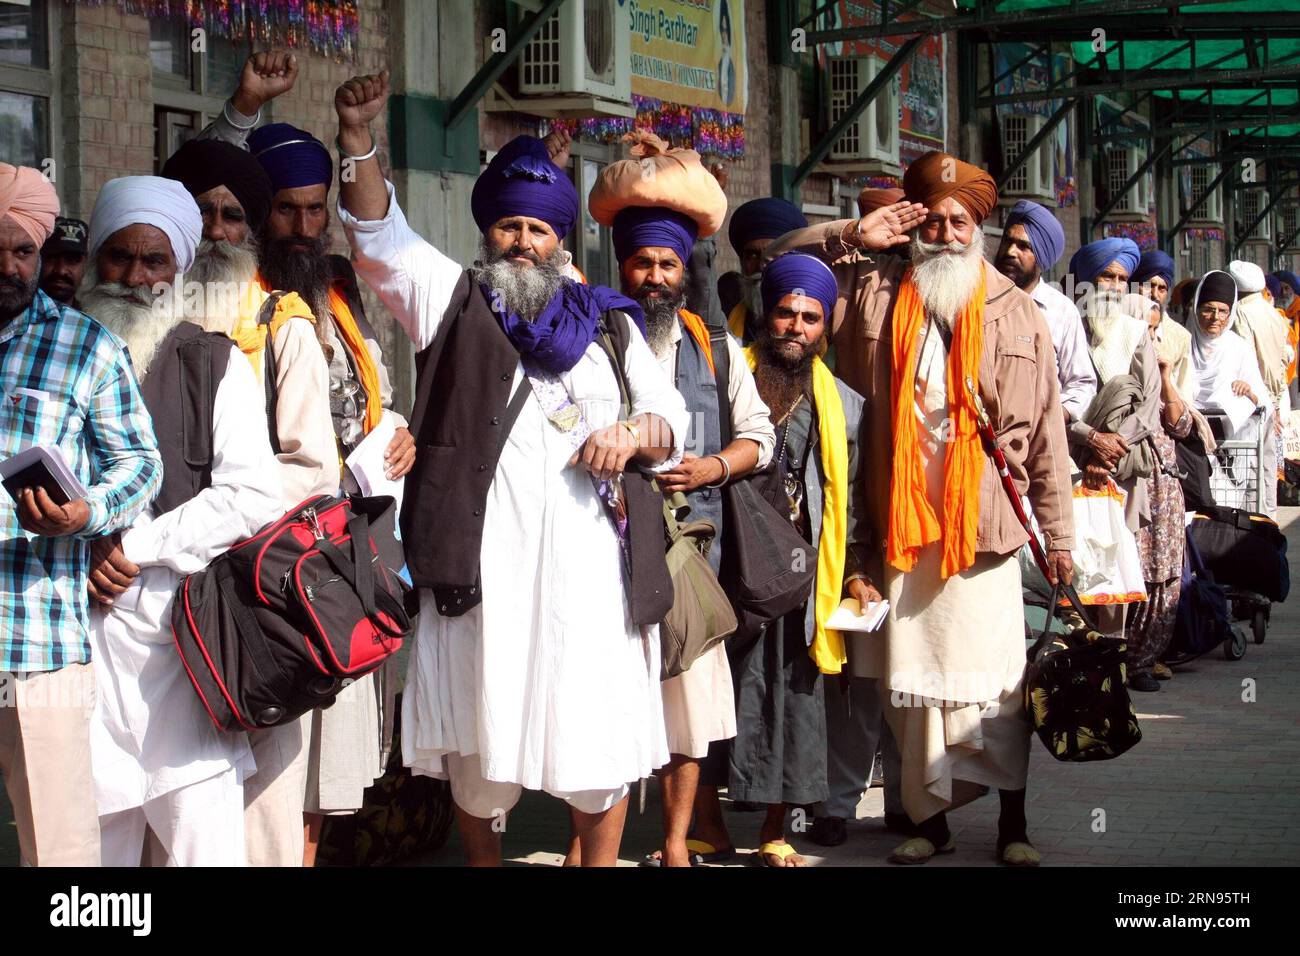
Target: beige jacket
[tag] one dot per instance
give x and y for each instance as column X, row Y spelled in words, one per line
column 1018, row 384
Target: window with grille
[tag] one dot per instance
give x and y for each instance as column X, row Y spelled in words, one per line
column 1015, row 134
column 844, row 90
column 1289, row 218
column 1119, row 167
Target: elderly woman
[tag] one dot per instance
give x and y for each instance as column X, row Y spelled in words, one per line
column 1226, row 376
column 1160, row 543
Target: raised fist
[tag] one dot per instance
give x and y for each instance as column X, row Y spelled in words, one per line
column 265, row 76
column 359, row 100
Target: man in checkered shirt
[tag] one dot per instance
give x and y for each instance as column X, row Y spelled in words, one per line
column 64, row 382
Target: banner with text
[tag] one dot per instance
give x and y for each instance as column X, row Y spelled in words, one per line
column 689, row 51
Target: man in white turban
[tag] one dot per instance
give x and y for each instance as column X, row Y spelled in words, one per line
column 159, row 762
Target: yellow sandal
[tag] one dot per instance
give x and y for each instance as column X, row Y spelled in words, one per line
column 782, row 851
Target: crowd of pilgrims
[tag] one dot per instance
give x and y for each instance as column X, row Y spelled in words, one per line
column 855, row 359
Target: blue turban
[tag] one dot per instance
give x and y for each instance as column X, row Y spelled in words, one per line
column 292, row 157
column 638, row 227
column 1274, row 286
column 1154, row 263
column 767, row 218
column 521, row 180
column 1095, row 256
column 1289, row 278
column 801, row 273
column 1045, row 233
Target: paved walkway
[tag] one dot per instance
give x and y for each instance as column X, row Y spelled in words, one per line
column 1215, row 781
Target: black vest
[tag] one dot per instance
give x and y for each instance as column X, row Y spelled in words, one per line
column 180, row 391
column 460, row 421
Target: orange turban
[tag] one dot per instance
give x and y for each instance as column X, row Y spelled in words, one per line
column 28, row 199
column 936, row 176
column 869, row 200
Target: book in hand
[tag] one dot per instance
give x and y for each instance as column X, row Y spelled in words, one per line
column 851, row 616
column 41, row 466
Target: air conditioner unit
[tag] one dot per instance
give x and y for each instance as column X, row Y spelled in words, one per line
column 585, row 48
column 1121, row 163
column 874, row 134
column 1036, row 176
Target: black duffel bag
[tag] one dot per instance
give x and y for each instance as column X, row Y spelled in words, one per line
column 284, row 620
column 1076, row 695
column 1243, row 549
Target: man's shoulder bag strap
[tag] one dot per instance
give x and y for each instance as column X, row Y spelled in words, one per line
column 270, row 368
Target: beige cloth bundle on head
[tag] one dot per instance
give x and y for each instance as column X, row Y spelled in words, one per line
column 661, row 177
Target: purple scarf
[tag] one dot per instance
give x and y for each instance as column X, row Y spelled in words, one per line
column 569, row 323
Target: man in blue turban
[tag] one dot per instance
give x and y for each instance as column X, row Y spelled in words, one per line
column 1155, row 275
column 755, row 226
column 1032, row 243
column 532, row 534
column 1104, row 266
column 779, row 756
column 654, row 247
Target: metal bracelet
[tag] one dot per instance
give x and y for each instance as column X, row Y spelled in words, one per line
column 726, row 472
column 374, row 148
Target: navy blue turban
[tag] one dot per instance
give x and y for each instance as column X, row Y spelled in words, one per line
column 292, row 157
column 1154, row 263
column 767, row 218
column 521, row 180
column 798, row 272
column 1289, row 278
column 639, row 227
column 1095, row 256
column 1045, row 233
column 1274, row 286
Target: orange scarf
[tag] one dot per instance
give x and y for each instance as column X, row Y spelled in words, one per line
column 912, row 521
column 700, row 333
column 351, row 335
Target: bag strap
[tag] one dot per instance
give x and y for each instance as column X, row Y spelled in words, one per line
column 359, row 573
column 248, row 628
column 721, row 377
column 270, row 368
column 624, row 391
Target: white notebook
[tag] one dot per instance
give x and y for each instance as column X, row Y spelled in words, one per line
column 851, row 616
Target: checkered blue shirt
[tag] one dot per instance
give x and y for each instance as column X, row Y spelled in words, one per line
column 65, row 380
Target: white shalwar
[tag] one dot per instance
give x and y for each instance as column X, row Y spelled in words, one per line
column 546, row 684
column 157, row 756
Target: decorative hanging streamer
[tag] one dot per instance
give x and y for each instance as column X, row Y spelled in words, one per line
column 1143, row 233
column 708, row 132
column 327, row 27
column 875, row 182
column 1208, row 233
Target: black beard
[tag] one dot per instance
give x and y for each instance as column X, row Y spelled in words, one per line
column 292, row 270
column 779, row 379
column 661, row 313
column 16, row 295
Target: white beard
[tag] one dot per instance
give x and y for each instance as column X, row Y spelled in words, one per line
column 946, row 275
column 225, row 271
column 120, row 310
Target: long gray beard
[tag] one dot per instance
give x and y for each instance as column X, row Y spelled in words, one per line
column 224, row 270
column 522, row 290
column 946, row 275
column 132, row 315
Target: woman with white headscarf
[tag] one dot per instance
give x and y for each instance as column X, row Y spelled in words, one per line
column 1150, row 628
column 1225, row 371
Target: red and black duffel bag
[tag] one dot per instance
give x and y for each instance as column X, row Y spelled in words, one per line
column 283, row 621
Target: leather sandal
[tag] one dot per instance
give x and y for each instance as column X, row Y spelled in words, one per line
column 919, row 850
column 1020, row 853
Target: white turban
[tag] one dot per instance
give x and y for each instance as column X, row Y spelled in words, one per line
column 148, row 201
column 1248, row 276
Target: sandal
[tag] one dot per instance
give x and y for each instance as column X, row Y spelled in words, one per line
column 1020, row 853
column 782, row 851
column 919, row 850
column 700, row 853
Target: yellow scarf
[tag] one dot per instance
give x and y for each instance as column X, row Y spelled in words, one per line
column 736, row 321
column 251, row 337
column 827, row 649
column 368, row 374
column 912, row 521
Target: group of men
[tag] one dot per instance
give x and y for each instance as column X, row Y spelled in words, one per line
column 551, row 419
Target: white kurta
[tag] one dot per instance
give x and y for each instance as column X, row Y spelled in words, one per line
column 952, row 655
column 150, row 734
column 547, row 680
column 1070, row 343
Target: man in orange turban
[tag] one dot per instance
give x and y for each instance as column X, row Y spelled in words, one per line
column 920, row 340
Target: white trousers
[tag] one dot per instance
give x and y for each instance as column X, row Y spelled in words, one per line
column 273, row 795
column 198, row 825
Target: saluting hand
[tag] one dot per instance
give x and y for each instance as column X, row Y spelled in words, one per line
column 888, row 226
column 265, row 76
column 359, row 100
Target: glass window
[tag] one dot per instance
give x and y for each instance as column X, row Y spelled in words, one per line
column 23, row 34
column 169, row 47
column 596, row 260
column 24, row 129
column 225, row 62
column 173, row 128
